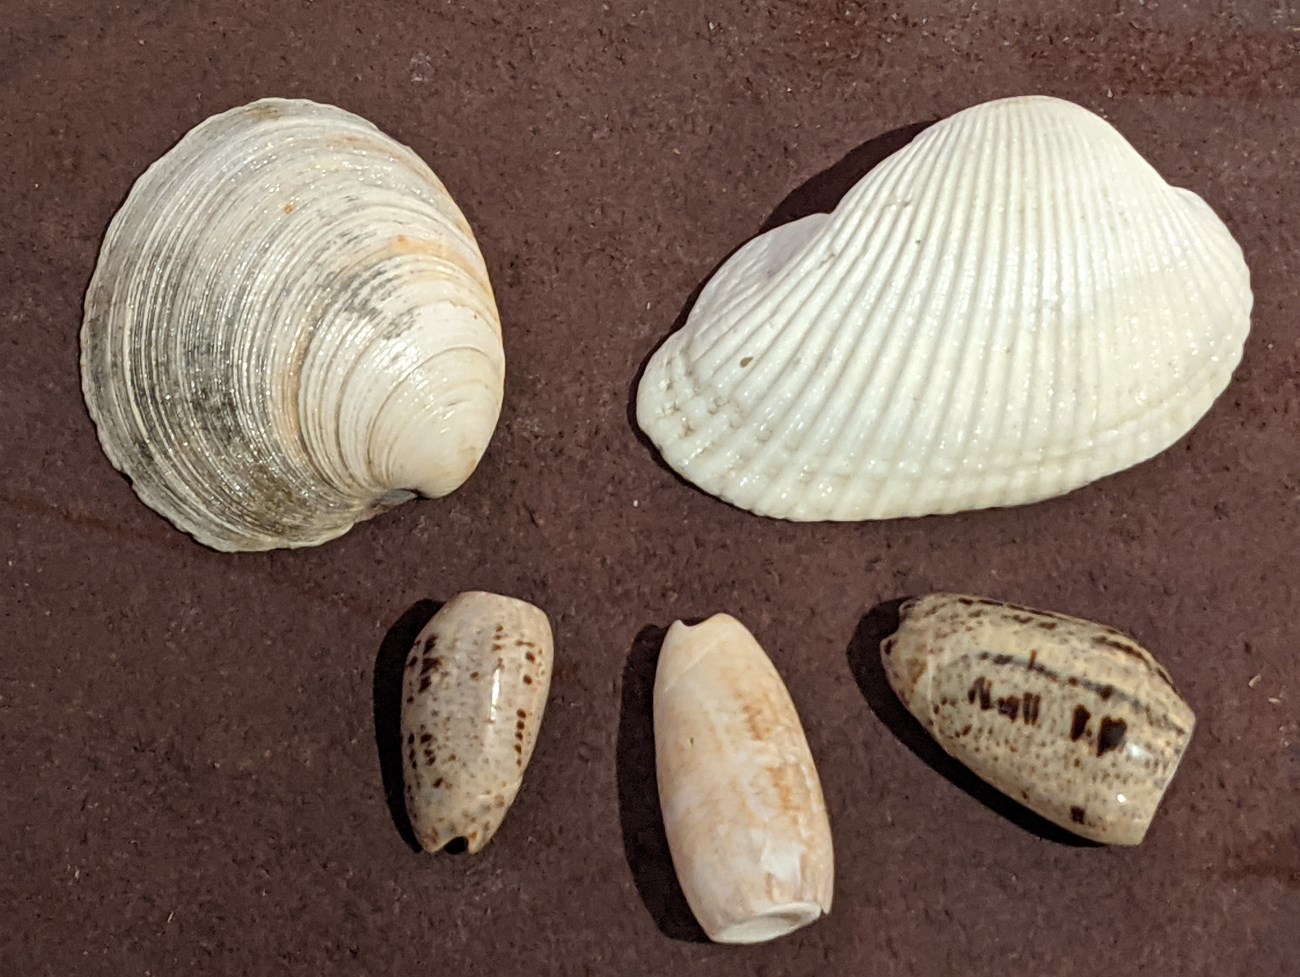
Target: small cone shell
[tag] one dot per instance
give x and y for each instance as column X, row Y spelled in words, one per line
column 1072, row 719
column 742, row 804
column 473, row 693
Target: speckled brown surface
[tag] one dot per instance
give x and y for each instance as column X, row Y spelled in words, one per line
column 188, row 740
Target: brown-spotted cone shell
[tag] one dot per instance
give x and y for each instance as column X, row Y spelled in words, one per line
column 1073, row 719
column 474, row 691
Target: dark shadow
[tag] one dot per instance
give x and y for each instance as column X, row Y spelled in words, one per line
column 644, row 843
column 819, row 194
column 389, row 663
column 864, row 661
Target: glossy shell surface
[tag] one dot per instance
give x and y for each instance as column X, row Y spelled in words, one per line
column 473, row 696
column 1073, row 719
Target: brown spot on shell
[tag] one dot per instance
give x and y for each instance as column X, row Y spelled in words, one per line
column 1032, row 704
column 760, row 728
column 528, row 680
column 746, row 360
column 425, row 683
column 1111, row 735
column 529, row 656
column 1079, row 725
column 521, row 713
column 426, row 737
column 1077, row 815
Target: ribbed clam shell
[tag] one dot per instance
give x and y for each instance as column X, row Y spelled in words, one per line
column 1011, row 306
column 290, row 328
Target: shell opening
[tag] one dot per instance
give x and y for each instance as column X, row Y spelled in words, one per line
column 775, row 923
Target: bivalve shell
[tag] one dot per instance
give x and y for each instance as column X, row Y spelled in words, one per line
column 1011, row 306
column 290, row 329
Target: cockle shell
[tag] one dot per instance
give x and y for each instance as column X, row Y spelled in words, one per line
column 741, row 800
column 1011, row 306
column 290, row 329
column 1073, row 719
column 473, row 696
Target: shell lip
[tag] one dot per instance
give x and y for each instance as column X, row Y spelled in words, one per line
column 770, row 924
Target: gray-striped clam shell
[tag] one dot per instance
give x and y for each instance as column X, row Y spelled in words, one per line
column 290, row 329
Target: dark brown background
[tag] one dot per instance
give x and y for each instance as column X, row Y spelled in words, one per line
column 190, row 775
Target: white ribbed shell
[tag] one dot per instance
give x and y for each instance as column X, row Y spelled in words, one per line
column 1012, row 306
column 290, row 329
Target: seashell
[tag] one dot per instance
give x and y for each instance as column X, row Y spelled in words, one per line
column 473, row 696
column 1013, row 305
column 1073, row 719
column 290, row 329
column 742, row 804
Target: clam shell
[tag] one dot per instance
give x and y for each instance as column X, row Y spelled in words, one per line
column 1011, row 306
column 742, row 803
column 290, row 329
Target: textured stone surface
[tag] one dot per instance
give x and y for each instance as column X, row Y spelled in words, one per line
column 189, row 739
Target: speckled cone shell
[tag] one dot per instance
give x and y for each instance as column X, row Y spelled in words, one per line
column 1073, row 719
column 741, row 800
column 290, row 329
column 1011, row 306
column 473, row 697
